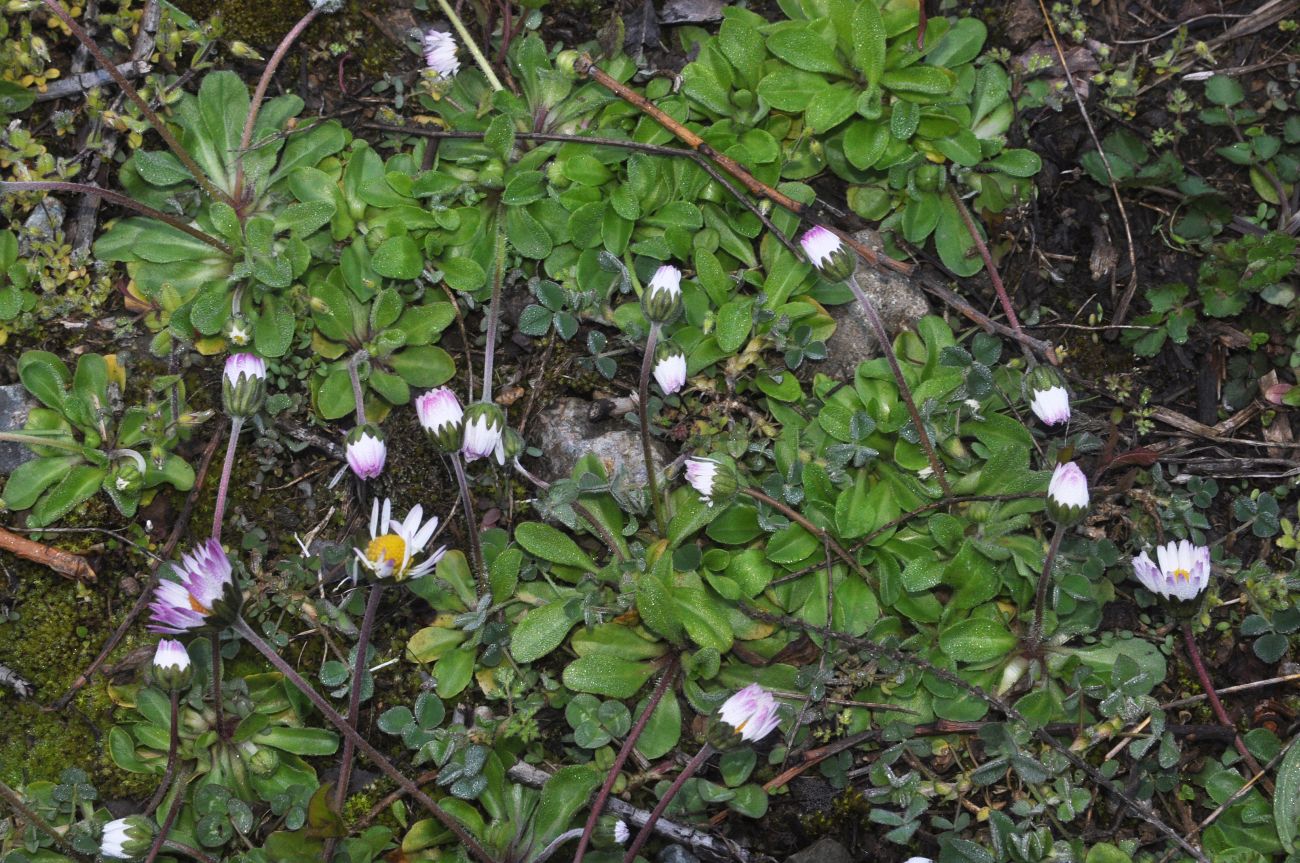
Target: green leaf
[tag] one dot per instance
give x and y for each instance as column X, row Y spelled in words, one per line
column 563, row 795
column 423, row 365
column 1224, row 90
column 77, row 486
column 223, row 108
column 801, row 47
column 734, row 322
column 961, row 44
column 526, row 234
column 546, row 542
column 29, row 479
column 14, row 99
column 299, row 741
column 869, row 41
column 953, row 241
column 703, row 620
column 500, row 136
column 920, row 80
column 543, row 629
column 161, row 168
column 606, row 675
column 45, row 376
column 1018, row 163
column 1286, row 798
column 454, row 671
column 976, row 640
column 788, row 89
column 398, row 258
column 831, row 107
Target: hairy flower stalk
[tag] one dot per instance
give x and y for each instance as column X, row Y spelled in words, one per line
column 243, row 389
column 170, row 670
column 349, row 733
column 354, row 694
column 836, row 263
column 1179, row 580
column 746, row 717
column 602, row 796
column 643, row 414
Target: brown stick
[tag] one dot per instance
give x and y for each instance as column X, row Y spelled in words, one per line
column 182, row 520
column 65, row 563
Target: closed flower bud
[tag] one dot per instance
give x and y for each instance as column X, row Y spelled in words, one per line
column 610, row 832
column 714, row 480
column 366, row 451
column 566, row 63
column 127, row 838
column 670, row 368
column 1048, row 398
column 662, row 298
column 171, row 665
column 263, row 761
column 513, row 442
column 484, row 427
column 243, row 385
column 238, row 331
column 1067, row 494
column 826, row 252
column 441, row 416
column 127, row 478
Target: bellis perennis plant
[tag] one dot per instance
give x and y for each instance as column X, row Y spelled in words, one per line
column 1182, row 574
column 484, row 426
column 442, row 417
column 127, row 838
column 663, row 296
column 670, row 369
column 826, row 252
column 752, row 713
column 366, row 452
column 395, row 543
column 204, row 597
column 1067, row 494
column 440, row 54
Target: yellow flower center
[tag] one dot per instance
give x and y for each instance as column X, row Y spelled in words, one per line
column 389, row 548
column 198, row 606
column 1182, row 575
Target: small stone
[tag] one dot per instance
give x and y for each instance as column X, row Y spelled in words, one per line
column 565, row 433
column 676, row 854
column 15, row 403
column 900, row 301
column 825, row 850
column 42, row 225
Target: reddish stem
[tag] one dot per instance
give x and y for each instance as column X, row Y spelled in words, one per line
column 687, row 772
column 670, row 674
column 1198, row 665
column 983, row 249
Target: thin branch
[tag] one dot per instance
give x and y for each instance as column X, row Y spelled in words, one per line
column 131, row 93
column 14, row 186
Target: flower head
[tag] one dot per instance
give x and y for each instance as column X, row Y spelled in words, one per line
column 127, row 838
column 171, row 664
column 1184, row 570
column 395, row 543
column 752, row 713
column 662, row 298
column 826, row 252
column 205, row 595
column 621, row 833
column 1067, row 494
column 1049, row 399
column 440, row 54
column 243, row 384
column 670, row 369
column 442, row 417
column 484, row 424
column 714, row 480
column 366, row 451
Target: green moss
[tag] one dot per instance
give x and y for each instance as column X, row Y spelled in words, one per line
column 59, row 628
column 263, row 23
